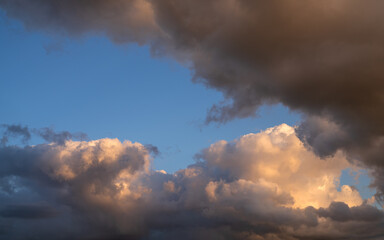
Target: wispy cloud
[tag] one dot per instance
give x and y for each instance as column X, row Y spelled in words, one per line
column 48, row 134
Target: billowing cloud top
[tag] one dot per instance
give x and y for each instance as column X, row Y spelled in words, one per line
column 261, row 186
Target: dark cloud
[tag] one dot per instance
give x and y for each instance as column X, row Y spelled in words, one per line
column 339, row 211
column 14, row 131
column 28, row 212
column 153, row 149
column 48, row 134
column 122, row 20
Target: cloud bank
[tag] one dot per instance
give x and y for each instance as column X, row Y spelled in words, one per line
column 261, row 186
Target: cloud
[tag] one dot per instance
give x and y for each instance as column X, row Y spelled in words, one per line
column 48, row 134
column 341, row 212
column 264, row 186
column 83, row 181
column 153, row 149
column 14, row 130
column 122, row 20
column 27, row 212
column 277, row 155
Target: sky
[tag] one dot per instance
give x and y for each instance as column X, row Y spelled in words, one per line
column 154, row 120
column 93, row 86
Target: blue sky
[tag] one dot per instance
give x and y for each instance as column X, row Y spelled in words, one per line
column 106, row 90
column 93, row 86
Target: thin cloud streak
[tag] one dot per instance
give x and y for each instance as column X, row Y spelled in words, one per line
column 46, row 133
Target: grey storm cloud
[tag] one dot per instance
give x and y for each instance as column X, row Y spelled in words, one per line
column 105, row 189
column 340, row 211
column 27, row 212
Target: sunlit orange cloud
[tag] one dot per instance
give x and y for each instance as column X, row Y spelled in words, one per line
column 267, row 183
column 279, row 157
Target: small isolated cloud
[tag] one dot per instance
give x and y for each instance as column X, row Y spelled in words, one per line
column 261, row 186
